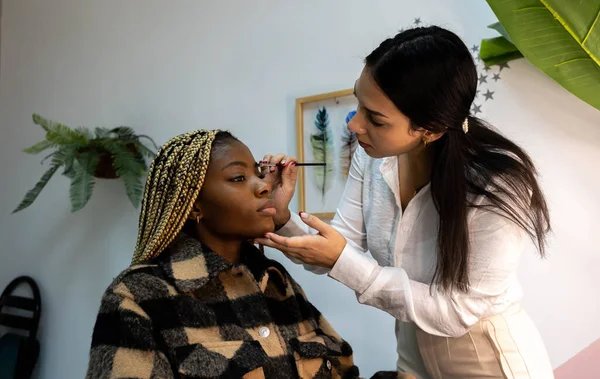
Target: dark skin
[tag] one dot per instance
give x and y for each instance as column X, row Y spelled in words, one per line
column 234, row 203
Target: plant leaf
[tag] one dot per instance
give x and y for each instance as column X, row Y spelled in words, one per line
column 498, row 50
column 500, row 29
column 102, row 133
column 86, row 133
column 133, row 187
column 322, row 145
column 63, row 135
column 82, row 180
column 33, row 193
column 145, row 151
column 39, row 147
column 559, row 38
column 124, row 132
column 131, row 170
column 66, row 156
column 44, row 123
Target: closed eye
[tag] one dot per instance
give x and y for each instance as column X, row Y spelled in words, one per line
column 372, row 121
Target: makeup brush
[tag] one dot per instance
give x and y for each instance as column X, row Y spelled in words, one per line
column 297, row 164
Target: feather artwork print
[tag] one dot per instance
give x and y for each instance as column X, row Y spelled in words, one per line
column 322, row 148
column 349, row 144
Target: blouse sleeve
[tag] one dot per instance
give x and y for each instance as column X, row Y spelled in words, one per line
column 348, row 219
column 496, row 245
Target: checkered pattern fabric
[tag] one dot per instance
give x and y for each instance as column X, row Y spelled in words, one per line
column 189, row 313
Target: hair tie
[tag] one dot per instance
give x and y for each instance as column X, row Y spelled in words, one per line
column 465, row 125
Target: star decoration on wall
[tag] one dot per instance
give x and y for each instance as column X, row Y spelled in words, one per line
column 489, row 95
column 487, row 79
column 503, row 65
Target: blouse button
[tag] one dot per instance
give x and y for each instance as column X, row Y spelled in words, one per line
column 264, row 332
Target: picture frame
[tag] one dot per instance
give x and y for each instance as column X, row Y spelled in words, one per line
column 319, row 189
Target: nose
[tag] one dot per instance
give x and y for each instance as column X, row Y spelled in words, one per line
column 356, row 123
column 263, row 188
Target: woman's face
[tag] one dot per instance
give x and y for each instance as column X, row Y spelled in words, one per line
column 382, row 130
column 234, row 201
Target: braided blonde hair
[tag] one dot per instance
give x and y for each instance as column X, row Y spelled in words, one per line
column 174, row 181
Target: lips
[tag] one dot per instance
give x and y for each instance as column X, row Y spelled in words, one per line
column 268, row 208
column 363, row 145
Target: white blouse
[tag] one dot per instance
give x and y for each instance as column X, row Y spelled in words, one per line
column 397, row 277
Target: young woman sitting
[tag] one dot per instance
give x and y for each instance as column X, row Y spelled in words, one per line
column 199, row 300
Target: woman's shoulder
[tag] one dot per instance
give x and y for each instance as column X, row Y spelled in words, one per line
column 138, row 281
column 494, row 211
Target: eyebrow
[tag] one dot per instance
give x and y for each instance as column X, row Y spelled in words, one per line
column 235, row 163
column 375, row 113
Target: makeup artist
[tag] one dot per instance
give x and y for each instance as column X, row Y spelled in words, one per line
column 443, row 203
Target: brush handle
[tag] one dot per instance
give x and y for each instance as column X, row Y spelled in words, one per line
column 297, row 164
column 310, row 164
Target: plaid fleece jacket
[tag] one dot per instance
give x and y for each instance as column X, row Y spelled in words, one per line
column 191, row 314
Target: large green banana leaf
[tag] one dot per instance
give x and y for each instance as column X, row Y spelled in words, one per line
column 559, row 37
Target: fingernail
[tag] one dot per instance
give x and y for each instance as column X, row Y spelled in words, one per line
column 283, row 162
column 304, row 215
column 267, row 236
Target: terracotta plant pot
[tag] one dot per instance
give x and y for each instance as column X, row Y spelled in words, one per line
column 105, row 168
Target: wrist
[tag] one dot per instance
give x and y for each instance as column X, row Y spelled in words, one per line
column 281, row 220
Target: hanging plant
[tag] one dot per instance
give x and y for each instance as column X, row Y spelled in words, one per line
column 85, row 155
column 560, row 38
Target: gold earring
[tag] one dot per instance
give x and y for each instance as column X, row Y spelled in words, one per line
column 425, row 142
column 197, row 219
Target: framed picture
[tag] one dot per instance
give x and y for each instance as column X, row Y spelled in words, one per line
column 322, row 136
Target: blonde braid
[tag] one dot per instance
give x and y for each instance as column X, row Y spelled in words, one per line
column 155, row 180
column 174, row 181
column 186, row 201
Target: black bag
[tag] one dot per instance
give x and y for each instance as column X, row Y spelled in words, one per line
column 19, row 353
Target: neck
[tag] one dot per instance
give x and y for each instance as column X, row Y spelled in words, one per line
column 228, row 249
column 416, row 166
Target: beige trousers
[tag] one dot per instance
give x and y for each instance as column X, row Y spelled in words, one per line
column 506, row 346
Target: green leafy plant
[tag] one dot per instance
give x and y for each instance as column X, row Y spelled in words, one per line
column 559, row 37
column 85, row 155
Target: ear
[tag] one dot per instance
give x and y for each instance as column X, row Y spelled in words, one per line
column 196, row 213
column 431, row 136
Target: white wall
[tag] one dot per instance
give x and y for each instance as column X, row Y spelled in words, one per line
column 168, row 67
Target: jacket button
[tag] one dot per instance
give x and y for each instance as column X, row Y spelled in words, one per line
column 328, row 364
column 264, row 332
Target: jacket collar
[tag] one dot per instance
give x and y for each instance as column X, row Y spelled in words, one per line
column 189, row 264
